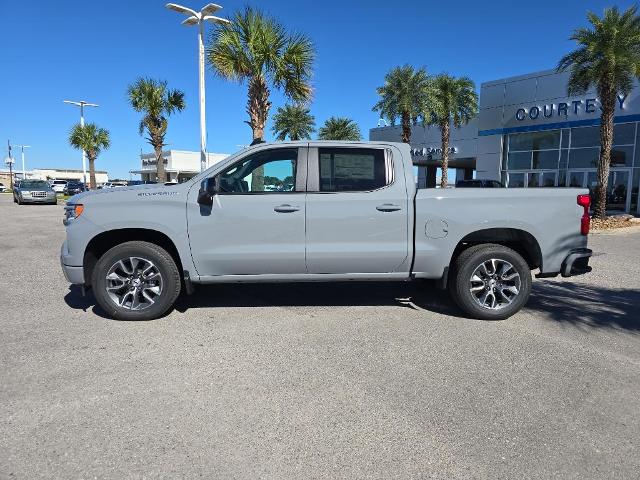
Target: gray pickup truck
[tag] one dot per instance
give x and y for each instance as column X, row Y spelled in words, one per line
column 322, row 212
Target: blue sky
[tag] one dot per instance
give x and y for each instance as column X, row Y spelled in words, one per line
column 87, row 50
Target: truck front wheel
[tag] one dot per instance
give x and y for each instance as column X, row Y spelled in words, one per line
column 490, row 282
column 136, row 281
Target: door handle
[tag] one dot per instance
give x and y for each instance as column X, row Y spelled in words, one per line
column 388, row 207
column 286, row 208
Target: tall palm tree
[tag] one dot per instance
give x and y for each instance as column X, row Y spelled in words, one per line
column 403, row 95
column 157, row 102
column 256, row 49
column 293, row 121
column 339, row 128
column 92, row 140
column 452, row 101
column 607, row 57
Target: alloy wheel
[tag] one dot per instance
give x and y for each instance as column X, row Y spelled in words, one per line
column 134, row 283
column 494, row 284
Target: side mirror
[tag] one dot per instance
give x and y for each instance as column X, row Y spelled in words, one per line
column 208, row 188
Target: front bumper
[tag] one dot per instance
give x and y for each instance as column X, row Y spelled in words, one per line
column 39, row 199
column 73, row 274
column 576, row 263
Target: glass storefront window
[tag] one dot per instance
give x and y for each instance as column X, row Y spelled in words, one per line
column 564, row 159
column 519, row 161
column 624, row 133
column 545, row 159
column 622, row 156
column 562, row 178
column 585, row 137
column 533, row 179
column 516, row 180
column 534, row 141
column 548, row 179
column 565, row 138
column 584, row 157
column 634, row 189
column 576, row 180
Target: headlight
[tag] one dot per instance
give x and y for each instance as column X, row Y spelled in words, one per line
column 72, row 211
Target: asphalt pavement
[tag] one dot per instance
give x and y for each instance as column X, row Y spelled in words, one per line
column 357, row 380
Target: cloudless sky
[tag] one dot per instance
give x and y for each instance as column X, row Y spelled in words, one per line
column 91, row 50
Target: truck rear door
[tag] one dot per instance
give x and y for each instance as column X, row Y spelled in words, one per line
column 357, row 210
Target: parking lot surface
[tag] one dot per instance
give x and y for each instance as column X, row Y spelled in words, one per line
column 358, row 380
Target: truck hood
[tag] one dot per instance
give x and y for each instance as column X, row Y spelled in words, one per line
column 130, row 193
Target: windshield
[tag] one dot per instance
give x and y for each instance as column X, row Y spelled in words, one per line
column 34, row 184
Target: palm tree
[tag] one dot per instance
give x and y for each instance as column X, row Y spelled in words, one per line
column 339, row 128
column 452, row 101
column 293, row 121
column 157, row 102
column 256, row 49
column 607, row 57
column 92, row 140
column 403, row 95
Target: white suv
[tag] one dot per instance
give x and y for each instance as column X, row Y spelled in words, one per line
column 58, row 185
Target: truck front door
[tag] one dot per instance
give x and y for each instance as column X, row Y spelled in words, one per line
column 357, row 211
column 257, row 222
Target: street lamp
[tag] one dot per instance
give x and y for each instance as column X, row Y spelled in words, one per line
column 22, row 147
column 9, row 161
column 82, row 104
column 198, row 18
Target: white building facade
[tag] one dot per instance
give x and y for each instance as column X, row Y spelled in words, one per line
column 180, row 165
column 55, row 174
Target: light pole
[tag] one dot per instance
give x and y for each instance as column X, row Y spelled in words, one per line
column 22, row 147
column 9, row 161
column 198, row 18
column 82, row 104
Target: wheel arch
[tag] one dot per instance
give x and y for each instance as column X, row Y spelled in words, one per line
column 517, row 239
column 104, row 241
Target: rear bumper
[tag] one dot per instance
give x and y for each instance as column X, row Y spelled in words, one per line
column 576, row 263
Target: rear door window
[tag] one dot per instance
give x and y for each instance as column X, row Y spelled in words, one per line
column 353, row 169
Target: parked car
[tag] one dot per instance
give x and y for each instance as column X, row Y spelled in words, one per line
column 58, row 185
column 73, row 188
column 478, row 184
column 3, row 188
column 34, row 191
column 354, row 214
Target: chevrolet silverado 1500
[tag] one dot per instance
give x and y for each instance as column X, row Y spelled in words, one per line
column 320, row 211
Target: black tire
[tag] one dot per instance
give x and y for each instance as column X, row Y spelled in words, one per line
column 464, row 268
column 166, row 266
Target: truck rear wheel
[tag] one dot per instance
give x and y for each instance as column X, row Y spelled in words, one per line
column 490, row 282
column 136, row 281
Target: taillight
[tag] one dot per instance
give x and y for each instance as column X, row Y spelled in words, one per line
column 585, row 222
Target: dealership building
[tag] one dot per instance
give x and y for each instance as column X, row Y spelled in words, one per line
column 530, row 134
column 179, row 165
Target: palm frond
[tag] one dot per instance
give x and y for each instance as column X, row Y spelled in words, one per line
column 340, row 128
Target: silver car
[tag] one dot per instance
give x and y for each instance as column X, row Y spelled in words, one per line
column 34, row 191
